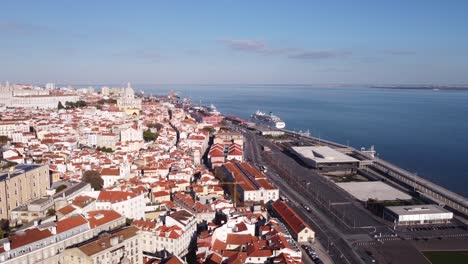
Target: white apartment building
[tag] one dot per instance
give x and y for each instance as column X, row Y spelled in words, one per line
column 188, row 223
column 156, row 237
column 127, row 204
column 132, row 133
column 8, row 127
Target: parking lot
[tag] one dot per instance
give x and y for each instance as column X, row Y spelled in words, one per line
column 315, row 253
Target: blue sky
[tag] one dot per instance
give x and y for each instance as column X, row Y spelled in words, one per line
column 300, row 42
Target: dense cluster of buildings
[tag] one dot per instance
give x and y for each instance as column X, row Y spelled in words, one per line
column 157, row 191
column 34, row 97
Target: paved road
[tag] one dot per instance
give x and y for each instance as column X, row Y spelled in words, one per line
column 327, row 234
column 342, row 225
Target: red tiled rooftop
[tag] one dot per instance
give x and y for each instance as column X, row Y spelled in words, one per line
column 70, row 223
column 82, row 200
column 101, row 217
column 67, row 209
column 144, row 224
column 110, row 172
column 289, row 216
column 115, row 196
column 103, row 243
column 238, row 239
column 27, row 237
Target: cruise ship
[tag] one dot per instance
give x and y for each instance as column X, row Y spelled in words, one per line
column 268, row 119
column 212, row 110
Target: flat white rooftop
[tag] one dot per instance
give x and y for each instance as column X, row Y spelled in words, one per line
column 417, row 209
column 324, row 154
column 376, row 190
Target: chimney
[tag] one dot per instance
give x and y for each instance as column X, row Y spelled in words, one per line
column 53, row 230
column 114, row 240
column 6, row 245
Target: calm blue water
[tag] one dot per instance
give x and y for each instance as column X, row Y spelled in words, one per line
column 423, row 131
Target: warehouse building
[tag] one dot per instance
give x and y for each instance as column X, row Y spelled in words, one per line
column 417, row 214
column 325, row 159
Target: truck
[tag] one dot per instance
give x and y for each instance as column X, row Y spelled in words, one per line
column 266, row 149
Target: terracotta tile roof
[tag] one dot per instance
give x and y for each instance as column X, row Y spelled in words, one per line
column 173, row 232
column 240, row 177
column 241, row 227
column 235, row 152
column 101, row 217
column 196, row 137
column 110, row 172
column 237, row 258
column 214, row 258
column 218, row 246
column 169, row 204
column 102, row 244
column 174, row 260
column 144, row 224
column 82, row 201
column 67, row 209
column 115, row 196
column 216, row 153
column 181, row 215
column 239, row 239
column 70, row 223
column 161, row 194
column 289, row 216
column 29, row 236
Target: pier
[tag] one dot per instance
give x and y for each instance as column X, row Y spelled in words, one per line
column 437, row 193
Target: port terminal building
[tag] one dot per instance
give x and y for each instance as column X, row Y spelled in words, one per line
column 325, row 159
column 417, row 214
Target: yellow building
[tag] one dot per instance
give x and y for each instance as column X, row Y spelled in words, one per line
column 21, row 184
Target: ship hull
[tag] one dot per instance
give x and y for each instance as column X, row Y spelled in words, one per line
column 268, row 122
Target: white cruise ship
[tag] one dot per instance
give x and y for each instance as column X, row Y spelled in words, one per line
column 268, row 119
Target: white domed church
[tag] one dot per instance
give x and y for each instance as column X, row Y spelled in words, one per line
column 127, row 100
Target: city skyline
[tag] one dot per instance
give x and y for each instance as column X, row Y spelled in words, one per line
column 227, row 42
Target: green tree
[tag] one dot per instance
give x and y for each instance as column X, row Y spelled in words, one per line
column 128, row 221
column 3, row 139
column 69, row 105
column 4, row 228
column 210, row 130
column 60, row 105
column 107, row 101
column 94, row 178
column 104, row 149
column 158, row 126
column 60, row 188
column 149, row 136
column 80, row 103
column 51, row 212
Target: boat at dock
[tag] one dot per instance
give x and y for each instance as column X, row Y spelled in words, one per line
column 268, row 119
